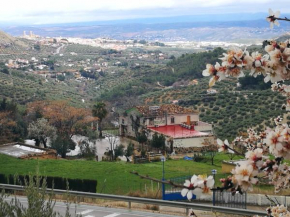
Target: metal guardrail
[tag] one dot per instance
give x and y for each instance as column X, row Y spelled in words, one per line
column 130, row 200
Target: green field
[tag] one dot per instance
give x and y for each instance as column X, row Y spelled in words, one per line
column 112, row 177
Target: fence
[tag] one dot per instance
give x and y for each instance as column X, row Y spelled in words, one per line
column 130, row 200
column 226, row 199
column 171, row 193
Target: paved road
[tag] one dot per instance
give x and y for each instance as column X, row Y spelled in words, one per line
column 97, row 211
column 59, row 48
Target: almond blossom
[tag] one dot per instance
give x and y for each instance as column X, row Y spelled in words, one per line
column 255, row 157
column 274, row 72
column 278, row 211
column 190, row 186
column 272, row 45
column 198, row 185
column 235, row 60
column 217, row 72
column 272, row 18
column 259, row 64
column 274, row 141
column 223, row 146
column 244, row 176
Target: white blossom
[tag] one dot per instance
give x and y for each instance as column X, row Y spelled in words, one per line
column 272, row 18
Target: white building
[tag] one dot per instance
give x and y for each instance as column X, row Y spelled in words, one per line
column 180, row 126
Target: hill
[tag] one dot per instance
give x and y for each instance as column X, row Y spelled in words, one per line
column 230, row 109
column 284, row 37
column 8, row 41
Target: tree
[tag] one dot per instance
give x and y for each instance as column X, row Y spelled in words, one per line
column 113, row 140
column 212, row 149
column 7, row 124
column 100, row 111
column 142, row 138
column 129, row 151
column 60, row 77
column 41, row 130
column 87, row 150
column 119, row 151
column 5, row 71
column 212, row 153
column 67, row 119
column 158, row 141
column 37, row 47
column 63, row 144
column 142, row 41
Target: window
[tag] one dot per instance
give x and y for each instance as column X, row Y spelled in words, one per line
column 172, row 120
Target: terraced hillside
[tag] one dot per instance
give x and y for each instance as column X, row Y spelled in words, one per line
column 24, row 88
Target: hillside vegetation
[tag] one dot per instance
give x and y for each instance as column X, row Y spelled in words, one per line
column 231, row 109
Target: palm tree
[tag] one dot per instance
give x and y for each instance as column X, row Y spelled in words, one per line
column 101, row 112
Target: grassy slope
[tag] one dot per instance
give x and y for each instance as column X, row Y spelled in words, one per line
column 117, row 174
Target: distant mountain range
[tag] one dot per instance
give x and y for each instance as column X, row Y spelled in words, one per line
column 199, row 27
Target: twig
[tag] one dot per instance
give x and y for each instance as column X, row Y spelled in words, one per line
column 271, row 200
column 277, row 201
column 284, row 19
column 160, row 181
column 229, row 186
column 236, row 152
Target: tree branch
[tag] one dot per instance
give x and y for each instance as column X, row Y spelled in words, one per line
column 236, row 152
column 158, row 180
column 271, row 200
column 284, row 19
column 228, row 186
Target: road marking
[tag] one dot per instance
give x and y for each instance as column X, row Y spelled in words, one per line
column 113, row 215
column 85, row 212
column 89, row 216
column 100, row 209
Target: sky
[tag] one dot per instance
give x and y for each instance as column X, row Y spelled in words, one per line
column 68, row 11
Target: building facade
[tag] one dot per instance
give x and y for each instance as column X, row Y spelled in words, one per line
column 181, row 126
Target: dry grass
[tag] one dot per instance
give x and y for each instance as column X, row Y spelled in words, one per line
column 148, row 194
column 152, row 207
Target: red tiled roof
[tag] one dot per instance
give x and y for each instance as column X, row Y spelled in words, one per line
column 176, row 131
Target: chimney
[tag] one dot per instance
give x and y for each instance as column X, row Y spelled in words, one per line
column 188, row 120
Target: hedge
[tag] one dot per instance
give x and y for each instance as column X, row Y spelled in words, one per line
column 55, row 182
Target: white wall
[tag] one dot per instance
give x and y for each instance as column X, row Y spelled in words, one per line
column 178, row 119
column 203, row 128
column 190, row 142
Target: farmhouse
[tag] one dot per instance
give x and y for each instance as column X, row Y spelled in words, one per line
column 181, row 126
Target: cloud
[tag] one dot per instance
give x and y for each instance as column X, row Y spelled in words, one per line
column 39, row 11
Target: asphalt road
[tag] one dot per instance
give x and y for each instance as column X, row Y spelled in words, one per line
column 97, row 211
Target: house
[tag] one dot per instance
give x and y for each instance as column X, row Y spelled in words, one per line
column 181, row 126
